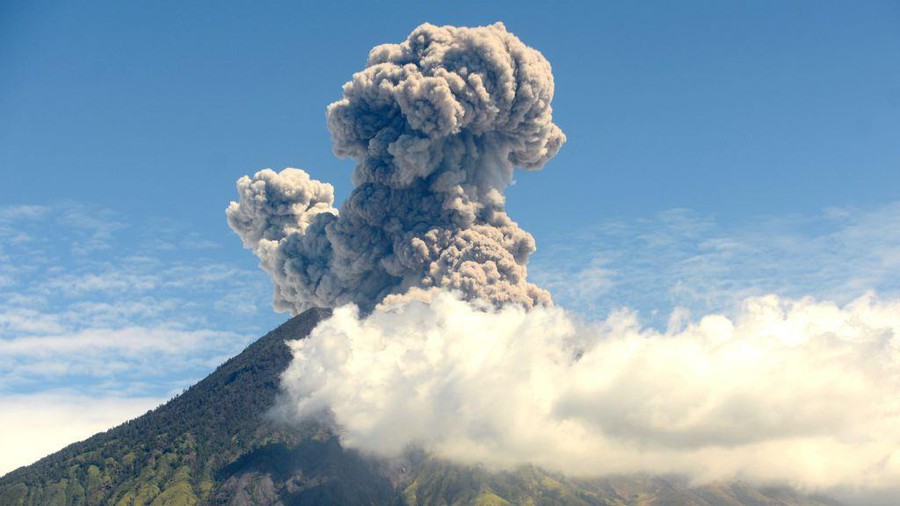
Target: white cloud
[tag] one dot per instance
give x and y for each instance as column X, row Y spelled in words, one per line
column 16, row 213
column 127, row 341
column 92, row 226
column 794, row 391
column 37, row 425
column 589, row 282
column 86, row 304
column 682, row 258
column 108, row 280
column 40, row 350
column 28, row 321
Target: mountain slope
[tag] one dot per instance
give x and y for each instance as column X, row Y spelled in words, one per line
column 213, row 445
column 175, row 450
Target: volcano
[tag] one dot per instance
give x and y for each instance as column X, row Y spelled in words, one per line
column 215, row 444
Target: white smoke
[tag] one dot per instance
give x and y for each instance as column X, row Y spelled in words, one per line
column 794, row 391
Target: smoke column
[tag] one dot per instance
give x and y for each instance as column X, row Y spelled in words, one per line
column 436, row 123
column 484, row 369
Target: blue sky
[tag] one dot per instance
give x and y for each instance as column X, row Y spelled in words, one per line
column 716, row 150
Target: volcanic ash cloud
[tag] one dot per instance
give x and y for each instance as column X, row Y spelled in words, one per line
column 436, row 123
column 484, row 369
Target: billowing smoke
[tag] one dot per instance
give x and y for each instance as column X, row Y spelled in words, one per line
column 438, row 339
column 436, row 123
column 787, row 391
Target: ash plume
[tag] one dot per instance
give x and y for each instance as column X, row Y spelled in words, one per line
column 437, row 124
column 441, row 343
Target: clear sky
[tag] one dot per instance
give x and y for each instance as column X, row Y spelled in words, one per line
column 715, row 149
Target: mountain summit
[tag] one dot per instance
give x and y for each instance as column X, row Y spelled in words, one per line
column 214, row 444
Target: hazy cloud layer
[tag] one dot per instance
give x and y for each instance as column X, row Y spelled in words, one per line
column 794, row 391
column 436, row 123
column 37, row 425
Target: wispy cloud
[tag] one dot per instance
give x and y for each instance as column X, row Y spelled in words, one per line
column 92, row 226
column 681, row 258
column 89, row 302
column 124, row 353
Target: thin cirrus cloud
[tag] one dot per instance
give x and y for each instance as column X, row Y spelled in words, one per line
column 68, row 286
column 127, row 352
column 683, row 259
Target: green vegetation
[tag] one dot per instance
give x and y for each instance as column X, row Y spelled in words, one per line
column 214, row 445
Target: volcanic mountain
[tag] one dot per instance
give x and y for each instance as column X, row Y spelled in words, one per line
column 214, row 444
